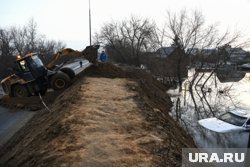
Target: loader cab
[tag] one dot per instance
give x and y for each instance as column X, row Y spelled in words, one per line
column 30, row 78
column 31, row 67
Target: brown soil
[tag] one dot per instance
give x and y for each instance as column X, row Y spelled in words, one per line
column 107, row 118
column 32, row 103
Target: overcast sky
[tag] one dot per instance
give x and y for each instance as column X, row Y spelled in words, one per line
column 67, row 20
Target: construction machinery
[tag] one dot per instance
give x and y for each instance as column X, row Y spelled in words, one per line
column 32, row 77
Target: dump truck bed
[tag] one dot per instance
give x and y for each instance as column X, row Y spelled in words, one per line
column 77, row 65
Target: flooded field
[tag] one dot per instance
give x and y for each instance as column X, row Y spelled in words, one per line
column 219, row 95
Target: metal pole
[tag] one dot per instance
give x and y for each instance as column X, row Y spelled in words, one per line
column 89, row 25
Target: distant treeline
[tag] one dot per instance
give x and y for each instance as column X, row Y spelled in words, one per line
column 135, row 41
column 22, row 40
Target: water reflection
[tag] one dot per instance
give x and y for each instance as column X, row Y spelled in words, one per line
column 230, row 76
column 220, row 94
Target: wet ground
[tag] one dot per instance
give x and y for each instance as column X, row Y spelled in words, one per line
column 11, row 122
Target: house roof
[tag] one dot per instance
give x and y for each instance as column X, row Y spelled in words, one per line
column 165, row 51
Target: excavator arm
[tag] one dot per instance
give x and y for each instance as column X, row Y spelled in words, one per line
column 89, row 53
column 63, row 56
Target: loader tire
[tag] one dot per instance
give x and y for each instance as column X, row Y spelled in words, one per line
column 60, row 81
column 20, row 91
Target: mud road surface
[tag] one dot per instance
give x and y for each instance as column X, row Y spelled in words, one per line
column 11, row 122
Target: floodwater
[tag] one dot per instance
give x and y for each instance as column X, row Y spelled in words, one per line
column 222, row 94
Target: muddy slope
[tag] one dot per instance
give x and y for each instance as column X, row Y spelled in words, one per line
column 106, row 118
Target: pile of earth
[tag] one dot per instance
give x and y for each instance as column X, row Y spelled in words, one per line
column 32, row 103
column 109, row 116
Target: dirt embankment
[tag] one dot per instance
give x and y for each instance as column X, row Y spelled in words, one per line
column 32, row 103
column 109, row 117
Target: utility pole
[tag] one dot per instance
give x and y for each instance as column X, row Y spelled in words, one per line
column 90, row 42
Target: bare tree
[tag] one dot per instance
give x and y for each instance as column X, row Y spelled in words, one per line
column 31, row 35
column 6, row 51
column 6, row 48
column 187, row 32
column 23, row 40
column 138, row 32
column 128, row 38
column 19, row 39
column 47, row 48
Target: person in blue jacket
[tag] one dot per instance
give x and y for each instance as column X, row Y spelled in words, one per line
column 103, row 57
